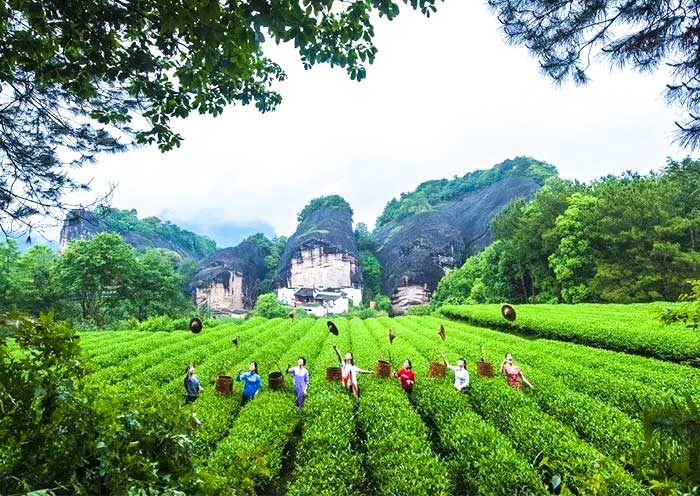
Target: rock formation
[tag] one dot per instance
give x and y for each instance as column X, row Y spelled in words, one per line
column 227, row 281
column 416, row 252
column 322, row 253
column 139, row 233
column 79, row 224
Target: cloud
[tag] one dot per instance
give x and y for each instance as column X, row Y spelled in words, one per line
column 445, row 96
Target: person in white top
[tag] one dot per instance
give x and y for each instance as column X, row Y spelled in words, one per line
column 461, row 374
column 349, row 372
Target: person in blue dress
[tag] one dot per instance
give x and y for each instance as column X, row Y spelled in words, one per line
column 252, row 384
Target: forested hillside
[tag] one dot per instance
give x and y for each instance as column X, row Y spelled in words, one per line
column 631, row 238
column 149, row 232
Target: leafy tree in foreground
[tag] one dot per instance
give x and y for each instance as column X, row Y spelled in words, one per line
column 688, row 312
column 58, row 436
column 81, row 78
column 566, row 35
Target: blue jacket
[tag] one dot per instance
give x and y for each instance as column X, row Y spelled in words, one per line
column 192, row 385
column 252, row 385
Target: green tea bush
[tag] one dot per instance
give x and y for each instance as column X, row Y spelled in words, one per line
column 484, row 459
column 326, row 463
column 419, row 310
column 251, row 455
column 400, row 457
column 626, row 328
column 163, row 324
column 558, row 451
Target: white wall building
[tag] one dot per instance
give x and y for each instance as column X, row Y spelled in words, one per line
column 320, row 302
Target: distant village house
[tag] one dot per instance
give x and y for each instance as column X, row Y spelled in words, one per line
column 320, row 302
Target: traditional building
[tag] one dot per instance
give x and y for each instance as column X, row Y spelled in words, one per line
column 320, row 302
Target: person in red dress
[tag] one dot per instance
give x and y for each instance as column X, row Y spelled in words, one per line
column 408, row 378
column 514, row 374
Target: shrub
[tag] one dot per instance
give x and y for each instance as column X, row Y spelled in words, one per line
column 269, row 307
column 57, row 433
column 419, row 310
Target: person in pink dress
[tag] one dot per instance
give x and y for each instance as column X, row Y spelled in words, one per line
column 513, row 373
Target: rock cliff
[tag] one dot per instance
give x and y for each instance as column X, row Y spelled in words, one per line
column 150, row 232
column 417, row 249
column 229, row 280
column 322, row 253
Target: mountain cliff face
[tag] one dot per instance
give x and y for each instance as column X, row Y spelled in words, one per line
column 229, row 280
column 428, row 232
column 322, row 253
column 78, row 224
column 419, row 238
column 150, row 232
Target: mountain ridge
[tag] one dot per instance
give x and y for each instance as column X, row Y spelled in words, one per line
column 420, row 235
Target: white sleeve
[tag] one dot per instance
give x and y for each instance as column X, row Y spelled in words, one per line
column 451, row 367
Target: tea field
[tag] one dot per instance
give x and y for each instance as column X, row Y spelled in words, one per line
column 580, row 431
column 632, row 328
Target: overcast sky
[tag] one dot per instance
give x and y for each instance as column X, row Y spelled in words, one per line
column 445, row 96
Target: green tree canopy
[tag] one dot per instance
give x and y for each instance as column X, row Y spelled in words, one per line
column 79, row 78
column 269, row 307
column 9, row 256
column 628, row 238
column 151, row 231
column 371, row 276
column 157, row 286
column 98, row 273
column 34, row 283
column 329, row 201
column 365, row 239
column 483, row 278
column 275, row 246
column 573, row 261
column 645, row 34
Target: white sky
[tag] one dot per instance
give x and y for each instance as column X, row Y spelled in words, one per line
column 446, row 95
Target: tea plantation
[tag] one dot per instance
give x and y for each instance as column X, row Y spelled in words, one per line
column 587, row 427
